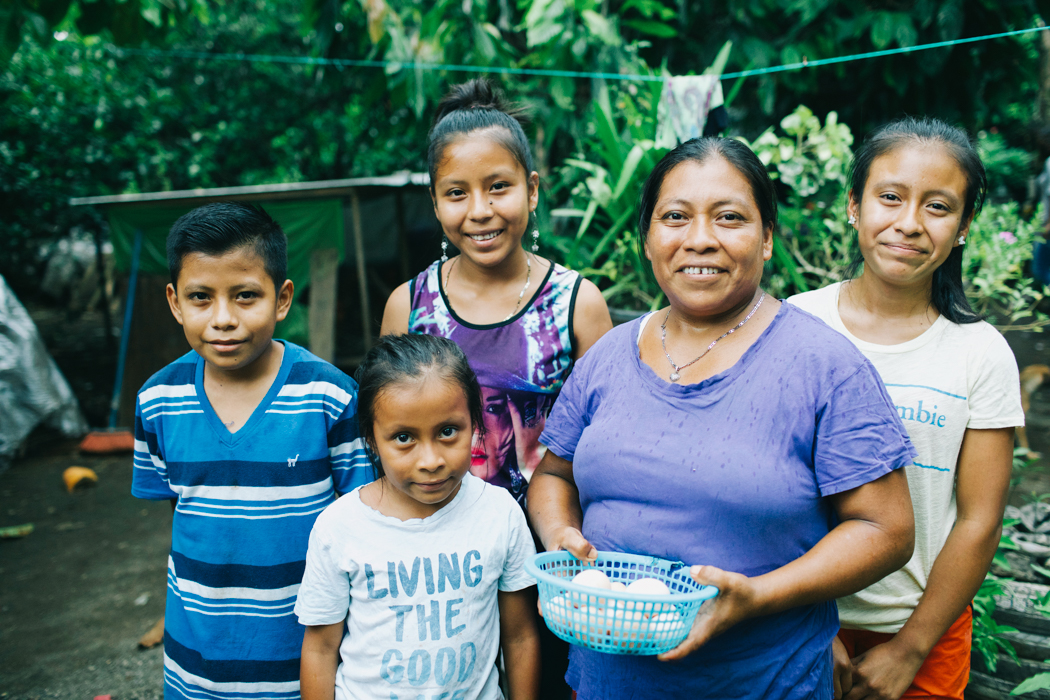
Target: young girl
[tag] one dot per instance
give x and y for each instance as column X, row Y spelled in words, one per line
column 915, row 187
column 426, row 595
column 522, row 320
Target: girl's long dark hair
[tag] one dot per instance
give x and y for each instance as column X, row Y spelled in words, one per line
column 396, row 358
column 948, row 294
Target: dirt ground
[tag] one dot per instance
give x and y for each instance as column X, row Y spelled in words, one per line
column 77, row 593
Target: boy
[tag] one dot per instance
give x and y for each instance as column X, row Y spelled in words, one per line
column 250, row 437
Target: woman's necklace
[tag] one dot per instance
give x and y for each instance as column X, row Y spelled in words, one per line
column 677, row 373
column 521, row 294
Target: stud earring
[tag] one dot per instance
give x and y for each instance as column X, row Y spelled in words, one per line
column 535, row 240
column 852, row 220
column 444, row 249
column 961, row 240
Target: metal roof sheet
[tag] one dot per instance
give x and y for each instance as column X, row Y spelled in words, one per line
column 281, row 190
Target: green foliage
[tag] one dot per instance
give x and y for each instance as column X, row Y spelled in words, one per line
column 1040, row 681
column 997, row 248
column 812, row 158
column 127, row 22
column 979, row 85
column 77, row 121
column 812, row 249
column 1008, row 168
column 445, row 31
column 814, row 245
column 987, row 633
column 584, row 35
column 604, row 194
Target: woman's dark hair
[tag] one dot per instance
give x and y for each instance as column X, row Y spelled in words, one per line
column 699, row 150
column 471, row 106
column 215, row 229
column 396, row 358
column 948, row 293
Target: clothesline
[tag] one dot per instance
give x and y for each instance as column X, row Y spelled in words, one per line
column 548, row 72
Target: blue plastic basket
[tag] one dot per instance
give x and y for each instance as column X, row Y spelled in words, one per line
column 616, row 622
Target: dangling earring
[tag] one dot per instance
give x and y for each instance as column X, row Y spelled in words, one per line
column 852, row 220
column 535, row 240
column 961, row 240
column 444, row 249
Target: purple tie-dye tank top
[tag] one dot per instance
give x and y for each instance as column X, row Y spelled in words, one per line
column 521, row 365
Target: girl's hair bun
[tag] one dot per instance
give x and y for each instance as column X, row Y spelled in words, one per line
column 478, row 93
column 473, row 106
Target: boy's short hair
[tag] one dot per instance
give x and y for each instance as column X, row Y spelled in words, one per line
column 218, row 228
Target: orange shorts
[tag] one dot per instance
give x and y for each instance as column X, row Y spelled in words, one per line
column 947, row 668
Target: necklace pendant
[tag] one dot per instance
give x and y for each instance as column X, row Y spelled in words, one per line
column 675, row 376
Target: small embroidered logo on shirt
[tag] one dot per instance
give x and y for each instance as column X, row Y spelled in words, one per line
column 292, row 461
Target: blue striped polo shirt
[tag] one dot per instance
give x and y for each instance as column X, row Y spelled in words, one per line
column 246, row 504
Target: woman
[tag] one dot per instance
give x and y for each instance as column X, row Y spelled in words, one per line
column 915, row 187
column 732, row 432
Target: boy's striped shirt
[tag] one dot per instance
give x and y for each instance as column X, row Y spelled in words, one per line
column 246, row 504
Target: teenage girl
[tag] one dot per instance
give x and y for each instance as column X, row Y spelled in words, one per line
column 521, row 319
column 915, row 187
column 425, row 596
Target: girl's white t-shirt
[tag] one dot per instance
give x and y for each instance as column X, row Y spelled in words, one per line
column 950, row 378
column 419, row 597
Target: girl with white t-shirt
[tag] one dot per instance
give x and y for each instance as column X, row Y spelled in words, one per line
column 915, row 187
column 416, row 581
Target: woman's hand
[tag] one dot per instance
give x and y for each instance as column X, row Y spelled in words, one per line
column 884, row 672
column 737, row 600
column 842, row 671
column 572, row 541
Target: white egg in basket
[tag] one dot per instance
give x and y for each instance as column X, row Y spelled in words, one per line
column 620, row 604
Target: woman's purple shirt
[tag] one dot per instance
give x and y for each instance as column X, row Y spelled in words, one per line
column 733, row 472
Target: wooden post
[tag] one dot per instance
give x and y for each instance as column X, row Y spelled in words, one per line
column 362, row 277
column 402, row 234
column 324, row 276
column 100, row 265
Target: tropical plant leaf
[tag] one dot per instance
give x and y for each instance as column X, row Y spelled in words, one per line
column 651, row 27
column 718, row 66
column 630, row 165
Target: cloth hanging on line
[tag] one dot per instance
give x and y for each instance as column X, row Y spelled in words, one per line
column 690, row 106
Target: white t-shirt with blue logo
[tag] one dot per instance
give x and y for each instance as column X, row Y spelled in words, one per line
column 419, row 596
column 950, row 378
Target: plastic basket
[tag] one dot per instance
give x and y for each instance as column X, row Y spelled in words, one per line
column 616, row 622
